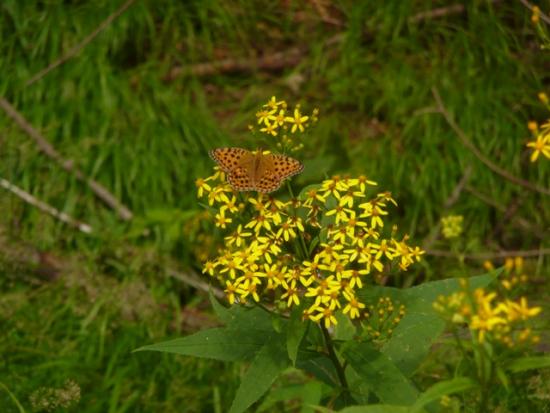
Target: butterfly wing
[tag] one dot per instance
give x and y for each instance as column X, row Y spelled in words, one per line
column 230, row 159
column 239, row 179
column 275, row 169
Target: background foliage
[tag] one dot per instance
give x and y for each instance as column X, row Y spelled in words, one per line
column 139, row 106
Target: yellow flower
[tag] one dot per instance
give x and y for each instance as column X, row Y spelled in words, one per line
column 265, row 116
column 291, row 293
column 209, row 267
column 202, row 186
column 280, row 118
column 230, row 205
column 298, row 121
column 520, row 310
column 246, row 290
column 340, row 214
column 373, row 210
column 270, row 129
column 353, row 306
column 286, row 231
column 543, row 97
column 452, row 226
column 230, row 290
column 311, row 196
column 222, row 221
column 237, row 237
column 258, row 222
column 273, row 103
column 540, row 145
column 325, row 313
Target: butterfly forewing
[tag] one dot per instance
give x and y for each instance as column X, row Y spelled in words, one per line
column 247, row 171
column 230, row 158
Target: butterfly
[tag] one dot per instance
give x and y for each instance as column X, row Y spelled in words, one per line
column 255, row 171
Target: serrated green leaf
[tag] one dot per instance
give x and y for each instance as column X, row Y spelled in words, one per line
column 441, row 389
column 223, row 313
column 528, row 363
column 382, row 376
column 216, row 343
column 269, row 362
column 295, row 332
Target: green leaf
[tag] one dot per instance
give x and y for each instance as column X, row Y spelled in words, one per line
column 528, row 363
column 216, row 343
column 345, row 329
column 295, row 332
column 382, row 376
column 359, row 390
column 310, row 394
column 250, row 318
column 319, row 366
column 441, row 389
column 421, row 325
column 270, row 361
column 375, row 408
column 223, row 313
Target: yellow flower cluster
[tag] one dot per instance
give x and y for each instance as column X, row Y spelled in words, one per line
column 318, row 249
column 276, row 119
column 488, row 318
column 452, row 226
column 513, row 275
column 541, row 135
column 381, row 318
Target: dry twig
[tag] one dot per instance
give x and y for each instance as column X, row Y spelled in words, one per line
column 44, row 207
column 468, row 144
column 521, row 221
column 67, row 164
column 194, row 281
column 543, row 16
column 78, row 47
column 490, row 255
column 275, row 61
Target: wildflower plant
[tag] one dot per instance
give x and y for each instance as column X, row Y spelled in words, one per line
column 491, row 331
column 540, row 145
column 301, row 273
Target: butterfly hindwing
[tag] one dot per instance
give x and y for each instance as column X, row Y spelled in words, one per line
column 239, row 180
column 285, row 166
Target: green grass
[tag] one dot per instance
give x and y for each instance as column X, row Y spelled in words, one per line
column 146, row 140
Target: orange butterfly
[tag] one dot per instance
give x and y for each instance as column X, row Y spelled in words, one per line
column 255, row 171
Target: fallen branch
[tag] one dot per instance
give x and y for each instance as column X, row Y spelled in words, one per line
column 521, row 221
column 67, row 164
column 275, row 61
column 468, row 144
column 294, row 55
column 78, row 47
column 490, row 255
column 194, row 281
column 44, row 207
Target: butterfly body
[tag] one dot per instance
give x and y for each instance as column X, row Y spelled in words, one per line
column 249, row 171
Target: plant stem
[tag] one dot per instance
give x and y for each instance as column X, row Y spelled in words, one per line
column 334, row 358
column 302, row 240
